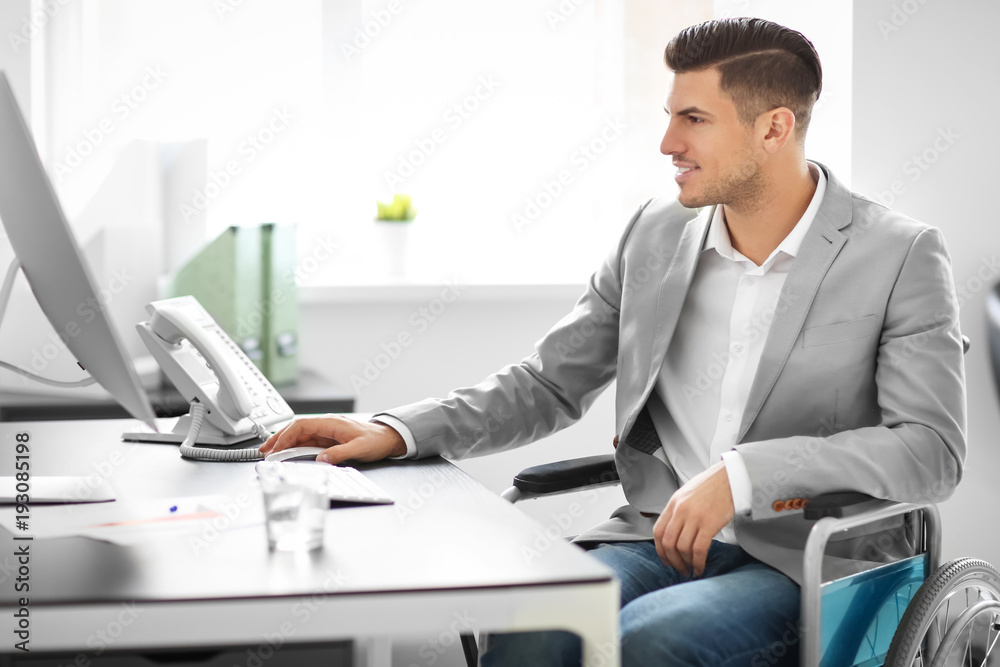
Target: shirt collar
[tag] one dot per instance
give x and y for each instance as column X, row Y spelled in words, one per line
column 718, row 233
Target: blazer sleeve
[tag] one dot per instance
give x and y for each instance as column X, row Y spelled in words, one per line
column 547, row 391
column 917, row 451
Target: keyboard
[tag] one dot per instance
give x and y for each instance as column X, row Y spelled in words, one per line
column 347, row 485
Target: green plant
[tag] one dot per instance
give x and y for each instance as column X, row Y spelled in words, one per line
column 400, row 210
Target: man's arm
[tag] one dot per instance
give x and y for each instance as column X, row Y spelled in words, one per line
column 542, row 394
column 521, row 403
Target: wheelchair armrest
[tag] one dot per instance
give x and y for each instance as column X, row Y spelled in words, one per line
column 840, row 505
column 567, row 475
column 562, row 476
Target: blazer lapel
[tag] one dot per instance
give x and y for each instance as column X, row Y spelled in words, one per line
column 820, row 247
column 673, row 290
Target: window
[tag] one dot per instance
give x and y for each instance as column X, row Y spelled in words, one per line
column 526, row 132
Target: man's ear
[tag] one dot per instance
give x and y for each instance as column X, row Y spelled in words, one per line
column 777, row 127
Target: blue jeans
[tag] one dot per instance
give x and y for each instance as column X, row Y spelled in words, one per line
column 739, row 612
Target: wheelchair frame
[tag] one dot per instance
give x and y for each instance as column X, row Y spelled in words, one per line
column 819, row 535
column 833, row 513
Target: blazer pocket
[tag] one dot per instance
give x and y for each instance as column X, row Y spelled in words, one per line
column 828, row 334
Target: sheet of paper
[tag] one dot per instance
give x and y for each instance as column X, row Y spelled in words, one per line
column 57, row 489
column 127, row 523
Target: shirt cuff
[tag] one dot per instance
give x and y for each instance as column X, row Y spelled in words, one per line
column 403, row 430
column 739, row 481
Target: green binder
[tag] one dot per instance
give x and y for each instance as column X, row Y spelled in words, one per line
column 280, row 333
column 241, row 279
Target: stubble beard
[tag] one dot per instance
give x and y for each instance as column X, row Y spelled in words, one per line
column 741, row 189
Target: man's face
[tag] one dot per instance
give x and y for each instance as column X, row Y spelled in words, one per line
column 715, row 155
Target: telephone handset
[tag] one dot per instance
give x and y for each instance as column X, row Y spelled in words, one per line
column 208, row 368
column 171, row 324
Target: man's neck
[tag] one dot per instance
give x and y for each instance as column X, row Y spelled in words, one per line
column 755, row 232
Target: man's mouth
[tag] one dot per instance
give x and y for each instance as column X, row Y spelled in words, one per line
column 684, row 172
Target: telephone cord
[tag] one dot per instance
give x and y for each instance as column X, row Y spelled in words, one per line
column 190, row 451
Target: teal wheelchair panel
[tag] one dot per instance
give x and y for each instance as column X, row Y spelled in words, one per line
column 860, row 612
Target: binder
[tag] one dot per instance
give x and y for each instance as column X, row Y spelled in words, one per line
column 244, row 278
column 280, row 332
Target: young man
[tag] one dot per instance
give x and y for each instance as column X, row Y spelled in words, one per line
column 790, row 339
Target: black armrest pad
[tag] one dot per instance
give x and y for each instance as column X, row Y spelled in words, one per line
column 566, row 475
column 838, row 505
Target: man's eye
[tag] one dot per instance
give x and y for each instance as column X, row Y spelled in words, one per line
column 695, row 119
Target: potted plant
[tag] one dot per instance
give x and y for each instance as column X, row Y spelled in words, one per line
column 399, row 210
column 392, row 223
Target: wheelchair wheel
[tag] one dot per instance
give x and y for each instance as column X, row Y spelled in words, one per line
column 954, row 619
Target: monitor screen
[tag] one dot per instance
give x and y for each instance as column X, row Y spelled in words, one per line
column 54, row 266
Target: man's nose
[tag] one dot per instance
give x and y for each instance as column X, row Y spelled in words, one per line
column 670, row 144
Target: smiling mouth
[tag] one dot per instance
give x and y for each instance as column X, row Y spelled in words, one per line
column 683, row 173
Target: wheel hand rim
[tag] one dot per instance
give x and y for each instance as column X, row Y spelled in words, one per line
column 955, row 632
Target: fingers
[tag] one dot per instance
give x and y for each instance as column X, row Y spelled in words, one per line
column 667, row 536
column 684, row 547
column 339, row 453
column 699, row 553
column 675, row 556
column 343, row 439
column 659, row 528
column 658, row 539
column 269, row 445
column 681, row 540
column 317, row 431
column 673, row 559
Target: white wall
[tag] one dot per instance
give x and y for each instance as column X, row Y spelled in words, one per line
column 920, row 78
column 828, row 27
column 15, row 55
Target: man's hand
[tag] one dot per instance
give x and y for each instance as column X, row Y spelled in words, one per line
column 695, row 514
column 344, row 439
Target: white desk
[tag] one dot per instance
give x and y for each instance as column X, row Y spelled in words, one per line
column 456, row 552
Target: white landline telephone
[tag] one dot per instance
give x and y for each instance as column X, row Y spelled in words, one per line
column 232, row 402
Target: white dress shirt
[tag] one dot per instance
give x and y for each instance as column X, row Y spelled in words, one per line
column 712, row 359
column 713, row 356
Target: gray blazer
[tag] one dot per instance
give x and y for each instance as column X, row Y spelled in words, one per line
column 860, row 387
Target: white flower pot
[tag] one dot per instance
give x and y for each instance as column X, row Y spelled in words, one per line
column 392, row 240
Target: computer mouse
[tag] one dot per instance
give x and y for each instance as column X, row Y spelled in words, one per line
column 295, row 454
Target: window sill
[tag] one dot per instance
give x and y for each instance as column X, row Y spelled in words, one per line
column 406, row 292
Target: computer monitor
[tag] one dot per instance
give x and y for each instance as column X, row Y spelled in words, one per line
column 54, row 266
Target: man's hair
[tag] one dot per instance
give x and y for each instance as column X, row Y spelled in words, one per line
column 763, row 65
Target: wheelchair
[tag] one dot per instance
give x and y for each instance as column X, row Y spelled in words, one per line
column 911, row 612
